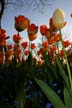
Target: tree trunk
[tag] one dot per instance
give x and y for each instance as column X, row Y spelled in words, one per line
column 2, row 3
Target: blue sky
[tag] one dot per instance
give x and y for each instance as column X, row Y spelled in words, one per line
column 37, row 17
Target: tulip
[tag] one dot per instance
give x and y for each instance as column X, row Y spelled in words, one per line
column 51, row 40
column 9, row 46
column 33, row 46
column 21, row 23
column 57, row 38
column 32, row 29
column 2, row 37
column 26, row 52
column 58, row 19
column 2, row 34
column 17, row 38
column 32, row 37
column 66, row 43
column 52, row 48
column 45, row 44
column 24, row 44
column 43, row 29
column 9, row 55
column 52, row 27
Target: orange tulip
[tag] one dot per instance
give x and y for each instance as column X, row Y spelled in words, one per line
column 61, row 53
column 52, row 27
column 51, row 40
column 57, row 37
column 32, row 29
column 9, row 55
column 33, row 46
column 9, row 46
column 3, row 43
column 24, row 44
column 2, row 37
column 52, row 48
column 2, row 34
column 16, row 48
column 17, row 53
column 17, row 38
column 43, row 29
column 49, row 34
column 32, row 37
column 21, row 23
column 26, row 52
column 66, row 43
column 39, row 52
column 45, row 44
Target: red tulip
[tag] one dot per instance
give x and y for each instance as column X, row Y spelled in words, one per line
column 21, row 23
column 17, row 38
column 32, row 37
column 32, row 29
column 43, row 29
column 24, row 44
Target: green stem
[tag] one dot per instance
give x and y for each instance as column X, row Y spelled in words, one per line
column 29, row 46
column 18, row 33
column 42, row 41
column 57, row 47
column 68, row 68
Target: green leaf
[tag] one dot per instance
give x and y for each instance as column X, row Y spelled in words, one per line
column 53, row 70
column 62, row 72
column 67, row 99
column 21, row 98
column 50, row 67
column 50, row 94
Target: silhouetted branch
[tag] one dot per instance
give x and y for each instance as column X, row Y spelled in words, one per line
column 2, row 4
column 31, row 4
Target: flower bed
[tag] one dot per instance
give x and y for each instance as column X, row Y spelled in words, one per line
column 23, row 65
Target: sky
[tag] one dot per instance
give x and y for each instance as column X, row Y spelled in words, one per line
column 37, row 18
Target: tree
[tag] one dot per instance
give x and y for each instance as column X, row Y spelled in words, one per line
column 2, row 4
column 34, row 4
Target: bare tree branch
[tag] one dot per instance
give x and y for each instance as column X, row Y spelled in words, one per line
column 31, row 4
column 13, row 4
column 2, row 4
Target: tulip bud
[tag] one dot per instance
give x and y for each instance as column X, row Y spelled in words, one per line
column 58, row 18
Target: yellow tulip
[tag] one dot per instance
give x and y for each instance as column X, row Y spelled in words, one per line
column 58, row 18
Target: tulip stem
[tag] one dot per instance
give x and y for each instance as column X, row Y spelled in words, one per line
column 42, row 41
column 68, row 68
column 18, row 33
column 29, row 46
